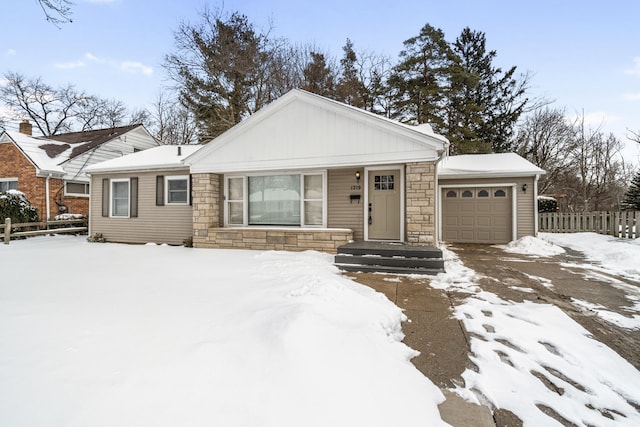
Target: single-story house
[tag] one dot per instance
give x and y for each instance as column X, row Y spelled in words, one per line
column 50, row 171
column 307, row 172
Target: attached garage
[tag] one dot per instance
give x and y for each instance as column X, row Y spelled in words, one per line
column 477, row 214
column 487, row 198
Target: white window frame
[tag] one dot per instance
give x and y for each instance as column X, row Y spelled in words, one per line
column 86, row 184
column 111, row 196
column 166, row 188
column 10, row 180
column 228, row 200
column 245, row 204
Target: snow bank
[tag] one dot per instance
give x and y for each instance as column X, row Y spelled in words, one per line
column 166, row 336
column 621, row 256
column 530, row 245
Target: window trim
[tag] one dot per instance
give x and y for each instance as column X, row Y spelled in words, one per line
column 245, row 200
column 168, row 178
column 12, row 179
column 111, row 196
column 86, row 184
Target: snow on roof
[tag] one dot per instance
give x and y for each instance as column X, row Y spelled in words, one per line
column 46, row 159
column 162, row 157
column 487, row 165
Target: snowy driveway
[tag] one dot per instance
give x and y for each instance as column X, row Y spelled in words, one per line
column 530, row 357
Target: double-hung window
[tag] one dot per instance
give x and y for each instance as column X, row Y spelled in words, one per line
column 276, row 200
column 177, row 190
column 7, row 184
column 120, row 197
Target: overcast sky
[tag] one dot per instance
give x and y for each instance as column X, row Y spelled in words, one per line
column 584, row 55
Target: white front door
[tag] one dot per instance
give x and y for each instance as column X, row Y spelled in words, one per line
column 384, row 209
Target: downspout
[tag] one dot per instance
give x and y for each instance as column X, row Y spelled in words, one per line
column 48, row 203
column 535, row 205
column 89, row 212
column 438, row 213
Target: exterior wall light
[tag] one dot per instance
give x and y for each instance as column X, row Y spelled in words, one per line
column 358, row 176
column 524, row 188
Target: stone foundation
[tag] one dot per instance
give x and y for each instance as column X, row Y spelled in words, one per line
column 324, row 240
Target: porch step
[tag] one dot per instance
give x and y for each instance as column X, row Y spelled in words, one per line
column 389, row 258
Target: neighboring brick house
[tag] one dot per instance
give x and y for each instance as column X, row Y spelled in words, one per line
column 50, row 171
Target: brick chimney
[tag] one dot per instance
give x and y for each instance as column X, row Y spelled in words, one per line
column 25, row 127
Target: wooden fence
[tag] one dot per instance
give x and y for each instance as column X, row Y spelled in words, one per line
column 620, row 224
column 26, row 229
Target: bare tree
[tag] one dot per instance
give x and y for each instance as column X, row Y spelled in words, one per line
column 57, row 110
column 95, row 113
column 51, row 110
column 57, row 11
column 171, row 122
column 585, row 169
column 547, row 139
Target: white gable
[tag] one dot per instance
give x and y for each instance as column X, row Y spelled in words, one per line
column 302, row 130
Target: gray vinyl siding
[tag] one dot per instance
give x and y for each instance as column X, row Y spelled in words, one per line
column 526, row 204
column 170, row 224
column 341, row 211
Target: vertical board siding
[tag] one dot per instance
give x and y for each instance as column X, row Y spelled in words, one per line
column 170, row 224
column 619, row 224
column 342, row 212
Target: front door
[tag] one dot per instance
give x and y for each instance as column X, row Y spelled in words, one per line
column 384, row 205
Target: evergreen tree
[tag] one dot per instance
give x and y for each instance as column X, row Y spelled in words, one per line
column 318, row 77
column 220, row 67
column 631, row 200
column 484, row 102
column 468, row 95
column 350, row 89
column 420, row 82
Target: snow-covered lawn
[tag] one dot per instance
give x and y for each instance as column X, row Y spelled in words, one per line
column 116, row 335
column 106, row 334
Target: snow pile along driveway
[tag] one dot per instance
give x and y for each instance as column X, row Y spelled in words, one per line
column 107, row 334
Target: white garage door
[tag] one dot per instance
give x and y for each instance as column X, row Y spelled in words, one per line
column 477, row 215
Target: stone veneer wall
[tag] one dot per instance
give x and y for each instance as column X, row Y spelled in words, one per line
column 324, row 240
column 208, row 233
column 206, row 197
column 420, row 204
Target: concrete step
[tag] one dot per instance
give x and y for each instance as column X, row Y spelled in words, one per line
column 388, row 269
column 390, row 250
column 396, row 261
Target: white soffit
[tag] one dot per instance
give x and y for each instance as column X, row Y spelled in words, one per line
column 302, row 131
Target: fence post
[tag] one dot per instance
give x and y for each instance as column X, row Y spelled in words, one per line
column 7, row 230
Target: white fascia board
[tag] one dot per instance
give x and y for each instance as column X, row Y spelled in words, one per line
column 313, row 163
column 475, row 175
column 134, row 169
